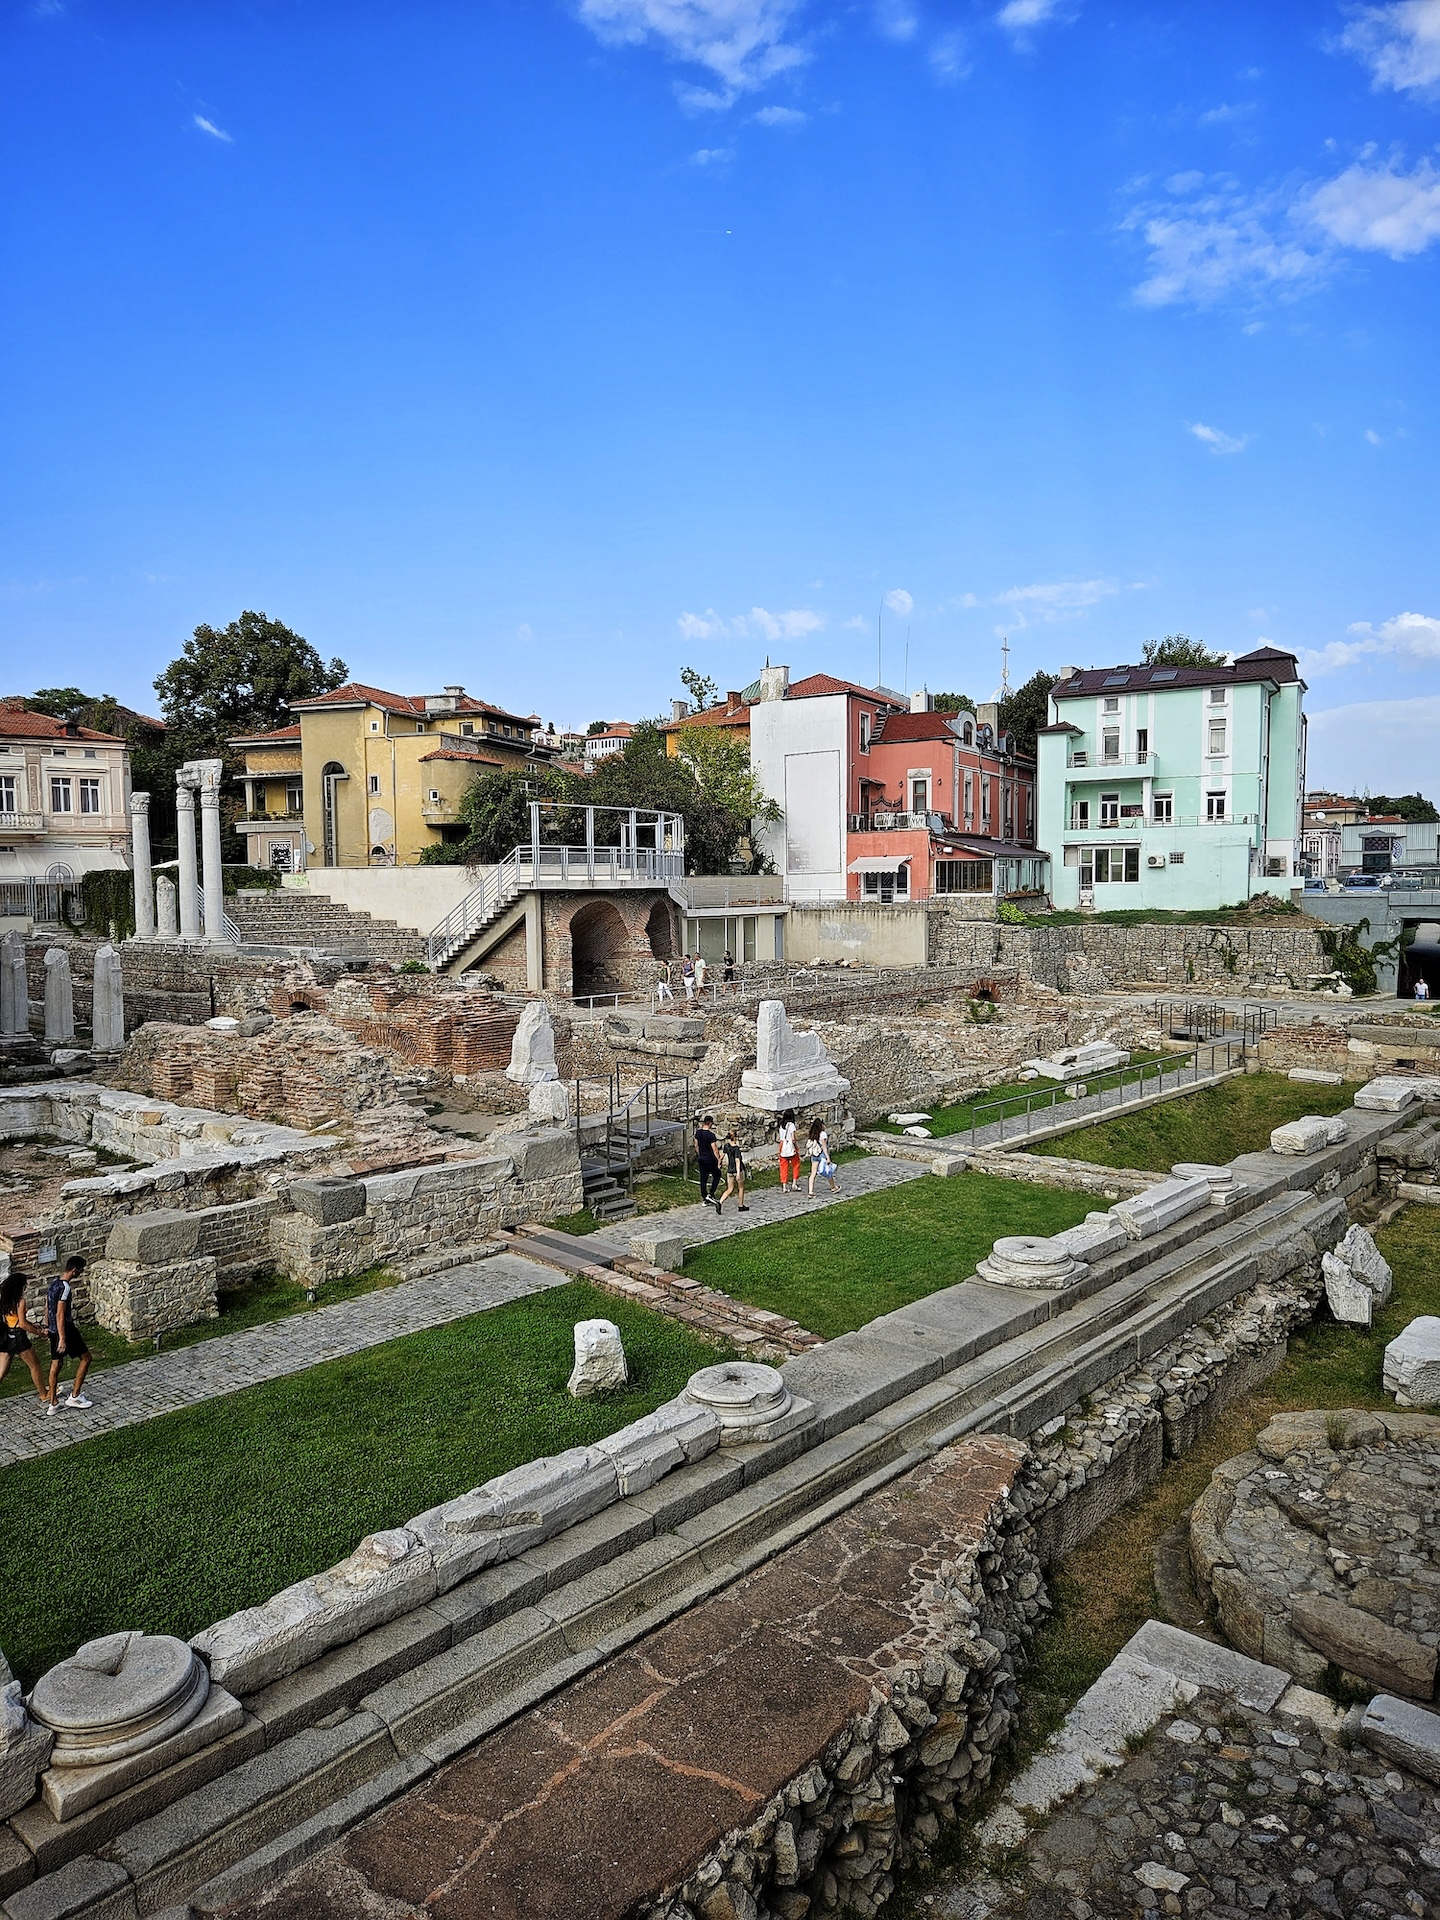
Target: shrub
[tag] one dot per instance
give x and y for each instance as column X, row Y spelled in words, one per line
column 109, row 896
column 237, row 877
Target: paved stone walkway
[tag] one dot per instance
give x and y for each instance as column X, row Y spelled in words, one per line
column 145, row 1389
column 700, row 1224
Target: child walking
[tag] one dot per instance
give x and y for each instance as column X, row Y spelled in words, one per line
column 789, row 1153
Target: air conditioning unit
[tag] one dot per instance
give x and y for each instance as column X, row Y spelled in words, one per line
column 1155, row 860
column 882, row 819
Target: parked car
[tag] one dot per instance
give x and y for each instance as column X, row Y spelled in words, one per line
column 1362, row 883
column 1315, row 885
column 1402, row 882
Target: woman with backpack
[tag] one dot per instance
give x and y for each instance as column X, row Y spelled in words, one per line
column 789, row 1153
column 818, row 1148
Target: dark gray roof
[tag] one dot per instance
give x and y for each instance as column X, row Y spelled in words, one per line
column 1265, row 663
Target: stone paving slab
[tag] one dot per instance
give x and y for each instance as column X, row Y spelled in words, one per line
column 187, row 1376
column 700, row 1225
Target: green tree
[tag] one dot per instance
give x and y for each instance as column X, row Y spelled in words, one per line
column 495, row 808
column 721, row 765
column 1027, row 709
column 644, row 775
column 951, row 703
column 239, row 679
column 598, row 726
column 1409, row 806
column 701, row 688
column 155, row 752
column 1179, row 650
column 67, row 703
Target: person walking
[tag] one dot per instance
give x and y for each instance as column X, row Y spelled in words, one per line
column 734, row 1168
column 702, row 967
column 708, row 1162
column 728, row 973
column 66, row 1340
column 15, row 1331
column 687, row 976
column 814, row 1152
column 824, row 1165
column 789, row 1153
column 663, row 989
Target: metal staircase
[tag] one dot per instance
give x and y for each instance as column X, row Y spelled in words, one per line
column 612, row 1141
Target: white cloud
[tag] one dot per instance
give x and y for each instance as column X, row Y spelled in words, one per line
column 712, row 156
column 1018, row 16
column 1399, row 43
column 1380, row 210
column 1053, row 599
column 1373, row 437
column 947, row 57
column 1385, row 745
column 1217, row 441
column 781, row 117
column 896, row 20
column 741, row 42
column 899, row 601
column 1227, row 110
column 1410, row 638
column 797, row 623
column 857, row 623
column 1208, row 246
column 209, row 126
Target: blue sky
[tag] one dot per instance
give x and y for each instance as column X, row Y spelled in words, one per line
column 553, row 345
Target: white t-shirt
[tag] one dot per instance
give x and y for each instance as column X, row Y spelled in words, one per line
column 787, row 1140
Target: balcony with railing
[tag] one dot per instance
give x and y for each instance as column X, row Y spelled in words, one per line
column 891, row 820
column 1085, row 759
column 12, row 822
column 1135, row 823
column 263, row 822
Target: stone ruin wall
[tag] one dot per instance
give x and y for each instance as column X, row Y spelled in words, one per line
column 1081, row 959
column 1354, row 1047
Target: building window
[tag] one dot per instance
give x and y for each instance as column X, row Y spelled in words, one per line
column 1111, row 703
column 1082, row 814
column 1109, row 809
column 1217, row 696
column 1142, row 741
column 434, row 795
column 7, row 793
column 294, row 796
column 1110, row 744
column 1162, row 809
column 1214, row 806
column 892, row 884
column 984, row 801
column 1217, row 736
column 969, row 798
column 467, row 726
column 865, row 726
column 1177, row 859
column 59, row 795
column 920, row 795
column 1115, row 864
column 963, row 876
column 374, row 726
column 90, row 796
column 58, row 752
column 374, row 783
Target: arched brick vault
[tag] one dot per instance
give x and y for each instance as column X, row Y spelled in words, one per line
column 644, row 912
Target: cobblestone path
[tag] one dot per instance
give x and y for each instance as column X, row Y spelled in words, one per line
column 700, row 1224
column 144, row 1389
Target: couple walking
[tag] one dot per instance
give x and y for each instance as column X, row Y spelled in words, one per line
column 709, row 1150
column 817, row 1151
column 66, row 1340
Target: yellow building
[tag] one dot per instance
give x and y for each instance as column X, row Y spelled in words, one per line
column 731, row 715
column 369, row 778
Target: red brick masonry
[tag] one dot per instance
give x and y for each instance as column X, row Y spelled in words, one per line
column 616, row 1789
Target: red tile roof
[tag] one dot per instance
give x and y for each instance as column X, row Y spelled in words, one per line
column 458, row 753
column 18, row 723
column 265, row 739
column 717, row 716
column 355, row 693
column 913, row 726
column 818, row 683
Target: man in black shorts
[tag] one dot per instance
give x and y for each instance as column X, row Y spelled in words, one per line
column 708, row 1161
column 66, row 1340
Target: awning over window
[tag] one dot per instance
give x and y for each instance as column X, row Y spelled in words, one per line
column 878, row 863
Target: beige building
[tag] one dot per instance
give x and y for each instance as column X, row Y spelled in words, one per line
column 369, row 778
column 64, row 797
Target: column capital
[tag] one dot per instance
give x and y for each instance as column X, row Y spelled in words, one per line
column 210, row 795
column 139, row 803
column 184, row 797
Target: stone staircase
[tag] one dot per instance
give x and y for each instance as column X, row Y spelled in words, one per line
column 292, row 918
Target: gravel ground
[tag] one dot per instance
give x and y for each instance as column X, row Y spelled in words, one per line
column 1228, row 1813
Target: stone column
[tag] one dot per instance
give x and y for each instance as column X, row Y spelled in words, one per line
column 14, row 993
column 185, row 884
column 140, row 861
column 59, row 999
column 166, row 912
column 214, row 872
column 107, row 1004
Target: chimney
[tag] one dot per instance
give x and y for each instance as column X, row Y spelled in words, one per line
column 1068, row 673
column 679, row 710
column 733, row 703
column 774, row 682
column 920, row 703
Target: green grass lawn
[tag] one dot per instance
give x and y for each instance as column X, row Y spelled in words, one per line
column 835, row 1270
column 1212, row 1124
column 1015, row 1093
column 271, row 1298
column 174, row 1524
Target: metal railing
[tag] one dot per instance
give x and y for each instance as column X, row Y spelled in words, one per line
column 1209, row 1020
column 1084, row 758
column 39, row 900
column 1127, row 1087
column 532, row 866
column 896, row 820
column 618, row 1136
column 1136, row 823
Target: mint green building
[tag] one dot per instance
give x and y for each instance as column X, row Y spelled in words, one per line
column 1173, row 787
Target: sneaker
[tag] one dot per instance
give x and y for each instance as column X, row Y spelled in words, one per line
column 743, row 1208
column 78, row 1400
column 50, row 1407
column 716, row 1205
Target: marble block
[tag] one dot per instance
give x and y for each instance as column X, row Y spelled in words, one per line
column 791, row 1069
column 1387, row 1094
column 653, row 1446
column 1317, row 1076
column 550, row 1101
column 14, row 992
column 1412, row 1364
column 119, row 1696
column 532, row 1051
column 1357, row 1278
column 1025, row 1260
column 599, row 1359
column 72, row 1790
column 59, row 998
column 1160, row 1207
column 24, row 1749
column 1307, row 1135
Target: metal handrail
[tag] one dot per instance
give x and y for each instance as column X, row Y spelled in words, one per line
column 530, row 866
column 1172, row 1069
column 654, row 1094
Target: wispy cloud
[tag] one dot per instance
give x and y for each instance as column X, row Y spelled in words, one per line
column 1227, row 111
column 1022, row 16
column 1399, row 43
column 1411, row 638
column 1215, row 440
column 742, row 44
column 896, row 19
column 1049, row 600
column 1222, row 242
column 215, row 133
column 781, row 117
column 712, row 156
column 797, row 623
column 899, row 601
column 948, row 56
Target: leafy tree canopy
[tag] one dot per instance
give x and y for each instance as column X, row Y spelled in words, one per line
column 644, row 775
column 720, row 763
column 951, row 703
column 1179, row 650
column 1027, row 709
column 701, row 688
column 598, row 726
column 496, row 810
column 1409, row 806
column 239, row 679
